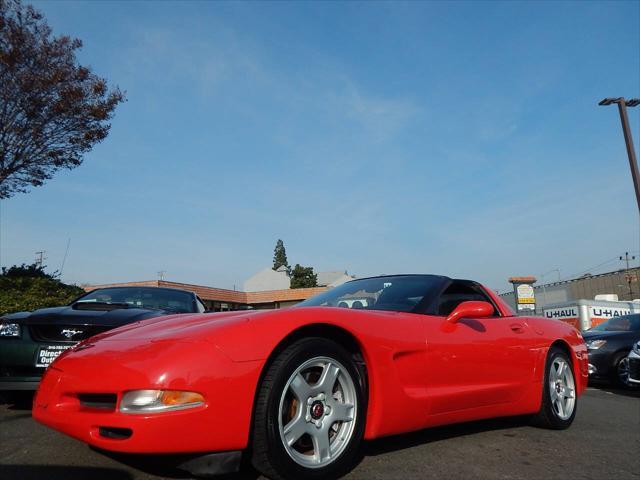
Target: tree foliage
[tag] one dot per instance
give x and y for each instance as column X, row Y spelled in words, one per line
column 303, row 277
column 29, row 287
column 52, row 109
column 280, row 256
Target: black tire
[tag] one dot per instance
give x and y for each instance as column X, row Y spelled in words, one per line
column 548, row 416
column 268, row 453
column 615, row 370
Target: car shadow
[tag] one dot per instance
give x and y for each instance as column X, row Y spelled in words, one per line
column 166, row 465
column 17, row 400
column 436, row 434
column 61, row 472
column 160, row 465
column 625, row 392
column 408, row 440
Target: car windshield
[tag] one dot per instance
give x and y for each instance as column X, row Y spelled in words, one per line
column 400, row 293
column 626, row 323
column 149, row 297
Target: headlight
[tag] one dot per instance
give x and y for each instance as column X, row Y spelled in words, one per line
column 595, row 344
column 9, row 329
column 636, row 348
column 153, row 401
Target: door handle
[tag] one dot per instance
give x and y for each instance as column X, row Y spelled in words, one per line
column 517, row 327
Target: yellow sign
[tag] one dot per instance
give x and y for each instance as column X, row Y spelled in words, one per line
column 526, row 300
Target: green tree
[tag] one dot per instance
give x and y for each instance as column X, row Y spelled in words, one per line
column 280, row 256
column 303, row 277
column 29, row 287
column 52, row 109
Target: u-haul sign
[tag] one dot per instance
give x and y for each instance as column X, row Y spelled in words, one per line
column 601, row 314
column 585, row 314
column 566, row 314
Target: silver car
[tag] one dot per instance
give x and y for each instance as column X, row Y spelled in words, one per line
column 633, row 362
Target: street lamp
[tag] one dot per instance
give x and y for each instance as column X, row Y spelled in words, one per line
column 622, row 108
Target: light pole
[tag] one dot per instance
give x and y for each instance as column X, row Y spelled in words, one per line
column 622, row 108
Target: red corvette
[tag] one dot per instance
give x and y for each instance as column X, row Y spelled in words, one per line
column 298, row 390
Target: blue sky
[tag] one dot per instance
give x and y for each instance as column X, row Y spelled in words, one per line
column 461, row 138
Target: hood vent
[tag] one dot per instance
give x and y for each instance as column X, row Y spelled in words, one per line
column 99, row 306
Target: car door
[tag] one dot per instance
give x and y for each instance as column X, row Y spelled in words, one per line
column 475, row 362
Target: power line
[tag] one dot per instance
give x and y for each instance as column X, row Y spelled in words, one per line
column 595, row 267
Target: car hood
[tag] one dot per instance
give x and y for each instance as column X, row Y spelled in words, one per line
column 598, row 335
column 67, row 315
column 176, row 328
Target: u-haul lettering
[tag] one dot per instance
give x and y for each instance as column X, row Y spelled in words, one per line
column 565, row 314
column 608, row 312
column 599, row 315
column 561, row 313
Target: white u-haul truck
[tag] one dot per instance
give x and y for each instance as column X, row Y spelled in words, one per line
column 585, row 314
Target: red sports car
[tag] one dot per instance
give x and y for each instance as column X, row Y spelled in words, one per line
column 298, row 390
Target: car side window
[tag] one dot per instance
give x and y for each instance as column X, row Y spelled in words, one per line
column 459, row 292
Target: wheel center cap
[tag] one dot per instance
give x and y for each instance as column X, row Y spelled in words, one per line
column 316, row 410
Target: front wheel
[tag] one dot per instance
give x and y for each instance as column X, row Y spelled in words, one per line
column 559, row 398
column 620, row 375
column 310, row 413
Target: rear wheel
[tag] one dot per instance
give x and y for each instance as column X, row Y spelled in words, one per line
column 309, row 413
column 559, row 399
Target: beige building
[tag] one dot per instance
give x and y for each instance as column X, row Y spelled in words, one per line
column 270, row 279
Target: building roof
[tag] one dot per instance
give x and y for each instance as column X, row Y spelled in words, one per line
column 332, row 279
column 527, row 279
column 224, row 295
column 268, row 279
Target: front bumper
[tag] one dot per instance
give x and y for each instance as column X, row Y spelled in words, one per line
column 18, row 359
column 222, row 424
column 634, row 368
column 599, row 364
column 19, row 384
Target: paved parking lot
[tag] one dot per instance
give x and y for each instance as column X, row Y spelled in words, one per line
column 604, row 442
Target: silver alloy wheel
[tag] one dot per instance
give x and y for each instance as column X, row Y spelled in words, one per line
column 562, row 388
column 623, row 371
column 317, row 413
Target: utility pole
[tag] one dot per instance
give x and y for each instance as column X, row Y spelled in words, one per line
column 627, row 258
column 629, row 277
column 40, row 258
column 626, row 130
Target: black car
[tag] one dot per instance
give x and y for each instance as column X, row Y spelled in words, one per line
column 30, row 341
column 609, row 344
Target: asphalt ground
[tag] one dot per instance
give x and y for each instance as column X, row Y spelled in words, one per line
column 602, row 443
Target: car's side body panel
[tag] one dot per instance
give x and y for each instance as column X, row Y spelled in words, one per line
column 408, row 363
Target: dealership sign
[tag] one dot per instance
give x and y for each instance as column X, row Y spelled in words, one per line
column 524, row 293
